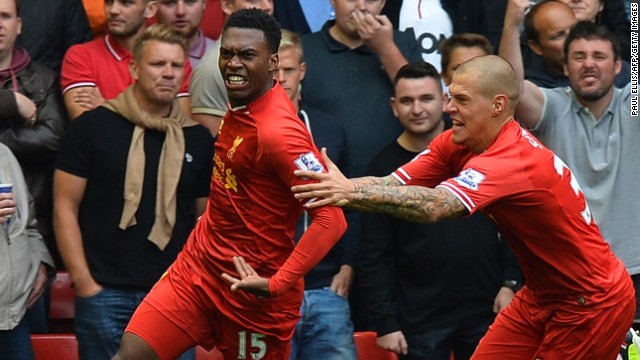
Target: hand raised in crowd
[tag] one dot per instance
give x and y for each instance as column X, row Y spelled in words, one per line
column 376, row 31
column 394, row 341
column 7, row 207
column 89, row 97
column 248, row 279
column 27, row 109
column 516, row 10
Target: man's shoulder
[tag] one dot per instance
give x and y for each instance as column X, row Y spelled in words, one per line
column 100, row 117
column 46, row 75
column 197, row 133
column 543, row 77
column 90, row 48
column 319, row 116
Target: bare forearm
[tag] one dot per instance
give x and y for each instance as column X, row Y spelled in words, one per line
column 392, row 61
column 411, row 203
column 70, row 245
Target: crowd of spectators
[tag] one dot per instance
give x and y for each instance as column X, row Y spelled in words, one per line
column 111, row 195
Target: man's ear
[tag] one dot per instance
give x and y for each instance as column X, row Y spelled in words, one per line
column 500, row 104
column 274, row 59
column 151, row 9
column 227, row 8
column 392, row 102
column 535, row 47
column 303, row 70
column 133, row 69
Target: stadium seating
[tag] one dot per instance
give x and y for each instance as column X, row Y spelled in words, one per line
column 368, row 349
column 55, row 346
column 62, row 310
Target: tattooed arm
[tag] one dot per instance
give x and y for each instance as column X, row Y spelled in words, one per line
column 384, row 194
column 411, row 203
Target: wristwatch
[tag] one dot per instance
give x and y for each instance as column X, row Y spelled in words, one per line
column 514, row 285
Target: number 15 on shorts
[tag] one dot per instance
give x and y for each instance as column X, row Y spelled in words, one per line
column 256, row 341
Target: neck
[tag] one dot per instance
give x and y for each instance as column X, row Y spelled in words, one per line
column 127, row 42
column 492, row 134
column 598, row 107
column 194, row 39
column 6, row 59
column 418, row 142
column 159, row 110
column 296, row 101
column 341, row 37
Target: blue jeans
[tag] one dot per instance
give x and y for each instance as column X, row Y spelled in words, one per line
column 461, row 338
column 325, row 330
column 101, row 320
column 15, row 344
column 38, row 315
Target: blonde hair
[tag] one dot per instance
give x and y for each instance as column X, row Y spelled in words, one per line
column 161, row 33
column 291, row 40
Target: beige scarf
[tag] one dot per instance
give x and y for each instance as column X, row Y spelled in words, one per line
column 169, row 169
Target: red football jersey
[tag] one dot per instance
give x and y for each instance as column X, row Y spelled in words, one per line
column 104, row 64
column 537, row 204
column 251, row 210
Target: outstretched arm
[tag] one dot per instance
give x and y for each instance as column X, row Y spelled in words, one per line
column 531, row 98
column 385, row 195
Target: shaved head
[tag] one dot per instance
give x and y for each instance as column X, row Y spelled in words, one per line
column 494, row 76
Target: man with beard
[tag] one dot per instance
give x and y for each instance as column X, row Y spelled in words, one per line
column 588, row 126
column 97, row 71
column 547, row 26
column 186, row 16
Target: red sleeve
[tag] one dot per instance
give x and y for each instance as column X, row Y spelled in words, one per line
column 75, row 72
column 325, row 230
column 430, row 167
column 184, row 89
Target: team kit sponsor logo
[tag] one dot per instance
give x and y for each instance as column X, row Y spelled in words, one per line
column 470, row 179
column 309, row 162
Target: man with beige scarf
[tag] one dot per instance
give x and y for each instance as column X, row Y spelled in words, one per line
column 131, row 178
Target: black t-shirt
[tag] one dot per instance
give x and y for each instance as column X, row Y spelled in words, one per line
column 418, row 277
column 96, row 148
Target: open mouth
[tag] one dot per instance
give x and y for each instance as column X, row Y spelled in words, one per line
column 234, row 82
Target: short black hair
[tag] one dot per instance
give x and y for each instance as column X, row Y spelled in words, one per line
column 591, row 31
column 466, row 40
column 259, row 20
column 417, row 70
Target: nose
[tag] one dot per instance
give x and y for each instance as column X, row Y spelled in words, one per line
column 360, row 5
column 234, row 61
column 180, row 7
column 415, row 107
column 588, row 62
column 168, row 71
column 112, row 8
column 448, row 106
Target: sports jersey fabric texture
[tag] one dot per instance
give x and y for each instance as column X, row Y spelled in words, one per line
column 104, row 64
column 538, row 206
column 252, row 213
